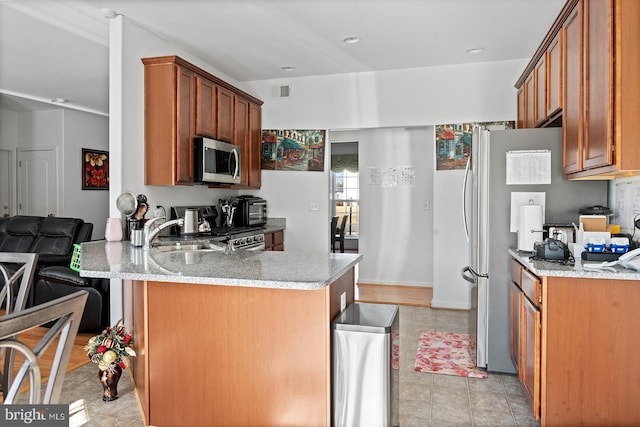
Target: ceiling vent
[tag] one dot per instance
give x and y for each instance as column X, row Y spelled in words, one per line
column 281, row 92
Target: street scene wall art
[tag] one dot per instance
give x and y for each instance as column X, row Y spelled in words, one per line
column 95, row 169
column 453, row 142
column 293, row 149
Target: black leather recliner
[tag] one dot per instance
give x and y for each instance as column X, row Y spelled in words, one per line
column 57, row 281
column 53, row 238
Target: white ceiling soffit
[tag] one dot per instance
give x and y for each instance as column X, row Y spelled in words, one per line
column 43, row 57
column 254, row 39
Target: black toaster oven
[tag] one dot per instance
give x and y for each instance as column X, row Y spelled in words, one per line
column 250, row 211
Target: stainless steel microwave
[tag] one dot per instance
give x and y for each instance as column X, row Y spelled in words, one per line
column 216, row 161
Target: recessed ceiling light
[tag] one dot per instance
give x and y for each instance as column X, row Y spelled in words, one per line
column 59, row 100
column 475, row 50
column 351, row 39
column 288, row 68
column 108, row 13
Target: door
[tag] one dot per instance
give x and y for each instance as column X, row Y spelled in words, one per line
column 598, row 84
column 514, row 323
column 38, row 182
column 5, row 182
column 529, row 369
column 572, row 108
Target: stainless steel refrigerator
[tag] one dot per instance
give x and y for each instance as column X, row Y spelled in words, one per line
column 487, row 217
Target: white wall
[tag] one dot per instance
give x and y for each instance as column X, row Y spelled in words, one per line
column 396, row 238
column 8, row 129
column 130, row 43
column 399, row 98
column 83, row 130
column 41, row 129
column 68, row 131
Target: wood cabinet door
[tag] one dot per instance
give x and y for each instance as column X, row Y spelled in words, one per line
column 185, row 126
column 598, row 84
column 205, row 107
column 530, row 99
column 224, row 121
column 241, row 137
column 522, row 107
column 572, row 80
column 530, row 352
column 554, row 77
column 514, row 325
column 540, row 91
column 255, row 145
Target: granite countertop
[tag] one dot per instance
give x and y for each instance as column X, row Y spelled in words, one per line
column 556, row 269
column 259, row 269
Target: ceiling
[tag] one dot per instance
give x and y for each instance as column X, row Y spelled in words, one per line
column 59, row 48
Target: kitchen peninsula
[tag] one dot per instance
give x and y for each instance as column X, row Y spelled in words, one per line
column 229, row 338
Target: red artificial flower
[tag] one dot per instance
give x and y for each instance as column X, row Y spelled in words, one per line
column 122, row 365
column 127, row 339
column 101, row 349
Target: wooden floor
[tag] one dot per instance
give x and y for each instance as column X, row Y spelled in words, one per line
column 417, row 296
column 78, row 355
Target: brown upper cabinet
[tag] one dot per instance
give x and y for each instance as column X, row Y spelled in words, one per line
column 225, row 121
column 597, row 96
column 572, row 113
column 206, row 112
column 554, row 80
column 530, row 99
column 540, row 91
column 183, row 101
column 522, row 107
column 168, row 124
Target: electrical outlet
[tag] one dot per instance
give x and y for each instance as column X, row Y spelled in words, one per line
column 159, row 212
column 343, row 301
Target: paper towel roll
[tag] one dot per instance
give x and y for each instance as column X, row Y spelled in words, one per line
column 530, row 230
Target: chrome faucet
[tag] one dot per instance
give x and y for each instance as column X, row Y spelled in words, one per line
column 149, row 234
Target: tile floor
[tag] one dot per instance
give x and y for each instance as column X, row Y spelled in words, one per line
column 445, row 400
column 425, row 399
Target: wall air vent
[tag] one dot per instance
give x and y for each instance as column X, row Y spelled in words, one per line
column 281, row 92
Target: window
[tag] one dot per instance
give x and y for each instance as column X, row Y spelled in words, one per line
column 345, row 190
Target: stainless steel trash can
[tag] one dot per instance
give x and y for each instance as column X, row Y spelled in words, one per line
column 366, row 347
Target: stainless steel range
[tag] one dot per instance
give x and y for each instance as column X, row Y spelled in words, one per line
column 244, row 238
column 250, row 241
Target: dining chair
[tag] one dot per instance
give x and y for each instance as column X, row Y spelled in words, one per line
column 339, row 234
column 14, row 267
column 65, row 313
column 333, row 230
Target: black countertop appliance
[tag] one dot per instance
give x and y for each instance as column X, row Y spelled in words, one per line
column 250, row 211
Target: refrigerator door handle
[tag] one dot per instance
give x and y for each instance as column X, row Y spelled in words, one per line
column 464, row 199
column 467, row 274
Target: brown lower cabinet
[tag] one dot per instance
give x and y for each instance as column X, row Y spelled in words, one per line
column 274, row 241
column 212, row 355
column 577, row 349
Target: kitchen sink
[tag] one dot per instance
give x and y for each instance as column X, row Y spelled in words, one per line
column 191, row 247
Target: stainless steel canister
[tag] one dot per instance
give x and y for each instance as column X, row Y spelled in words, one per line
column 137, row 237
column 190, row 227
